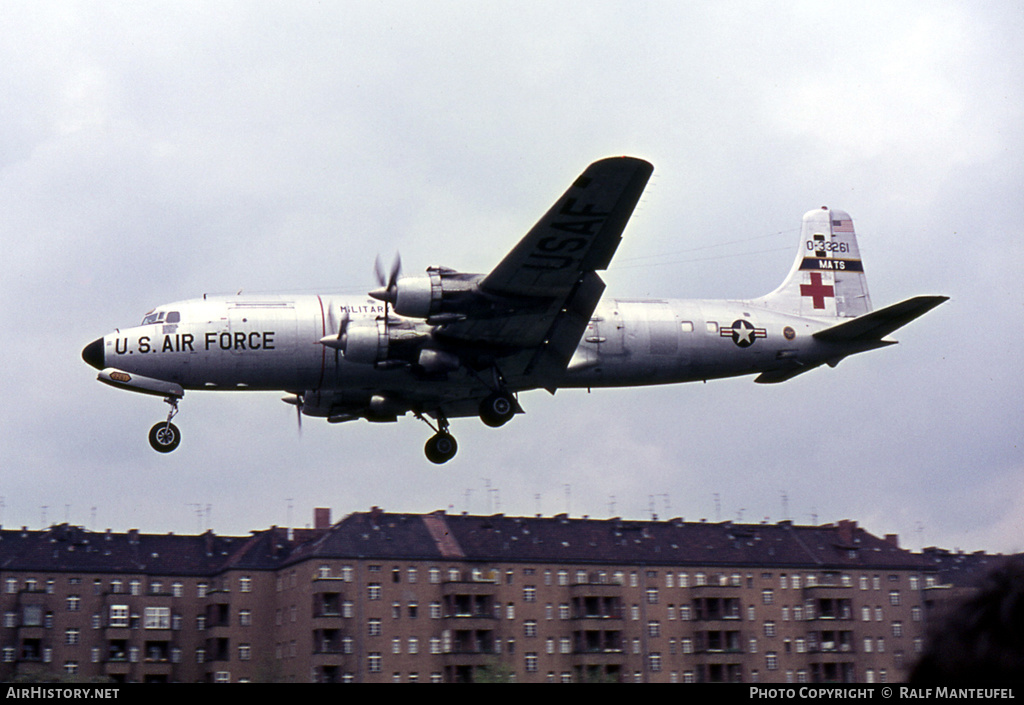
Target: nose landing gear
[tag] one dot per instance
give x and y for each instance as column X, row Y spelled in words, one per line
column 165, row 436
column 441, row 447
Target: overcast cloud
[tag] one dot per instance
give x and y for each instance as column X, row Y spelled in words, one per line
column 151, row 152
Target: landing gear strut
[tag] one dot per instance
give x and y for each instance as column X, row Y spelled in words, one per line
column 165, row 436
column 441, row 447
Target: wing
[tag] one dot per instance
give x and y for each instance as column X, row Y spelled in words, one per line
column 545, row 290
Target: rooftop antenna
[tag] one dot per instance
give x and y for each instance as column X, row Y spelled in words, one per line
column 718, row 507
column 611, row 505
column 469, row 493
column 739, row 515
column 487, row 489
column 785, row 505
column 568, row 498
column 814, row 516
column 67, row 513
column 44, row 508
column 92, row 517
column 536, row 498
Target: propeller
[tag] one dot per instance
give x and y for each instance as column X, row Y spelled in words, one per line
column 388, row 291
column 337, row 341
column 296, row 401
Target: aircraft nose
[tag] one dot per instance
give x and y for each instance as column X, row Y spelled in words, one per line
column 93, row 354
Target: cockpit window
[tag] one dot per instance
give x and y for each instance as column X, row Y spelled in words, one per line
column 161, row 317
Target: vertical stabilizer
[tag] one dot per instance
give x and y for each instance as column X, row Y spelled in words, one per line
column 827, row 278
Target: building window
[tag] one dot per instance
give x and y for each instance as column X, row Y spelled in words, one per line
column 375, row 627
column 894, row 598
column 771, row 661
column 119, row 616
column 654, row 662
column 244, row 652
column 529, row 593
column 897, row 629
column 245, row 584
column 157, row 618
column 375, row 662
column 530, row 628
column 531, row 663
column 74, row 603
column 652, row 596
column 245, row 618
column 373, row 591
column 72, row 636
column 768, row 596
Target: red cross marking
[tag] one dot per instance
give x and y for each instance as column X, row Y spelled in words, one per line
column 817, row 291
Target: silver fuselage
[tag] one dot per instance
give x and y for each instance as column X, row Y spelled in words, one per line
column 274, row 343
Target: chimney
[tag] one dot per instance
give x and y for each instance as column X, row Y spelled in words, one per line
column 322, row 518
column 846, row 529
column 893, row 540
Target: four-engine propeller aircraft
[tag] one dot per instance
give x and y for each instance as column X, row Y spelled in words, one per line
column 451, row 344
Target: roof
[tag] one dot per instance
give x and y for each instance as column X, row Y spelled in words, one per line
column 461, row 537
column 559, row 539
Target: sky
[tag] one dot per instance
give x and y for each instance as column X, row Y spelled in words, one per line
column 155, row 151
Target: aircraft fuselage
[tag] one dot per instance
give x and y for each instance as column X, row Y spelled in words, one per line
column 273, row 343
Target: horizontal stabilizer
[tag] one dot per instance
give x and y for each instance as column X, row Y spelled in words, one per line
column 878, row 324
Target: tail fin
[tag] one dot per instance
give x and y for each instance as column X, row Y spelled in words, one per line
column 827, row 278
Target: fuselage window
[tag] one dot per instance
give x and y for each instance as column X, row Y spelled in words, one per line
column 173, row 317
column 712, row 327
column 152, row 318
column 687, row 326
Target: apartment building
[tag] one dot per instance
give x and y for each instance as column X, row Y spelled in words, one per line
column 395, row 597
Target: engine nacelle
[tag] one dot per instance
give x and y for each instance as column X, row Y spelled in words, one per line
column 440, row 291
column 365, row 342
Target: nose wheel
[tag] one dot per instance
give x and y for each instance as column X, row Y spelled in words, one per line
column 165, row 436
column 441, row 447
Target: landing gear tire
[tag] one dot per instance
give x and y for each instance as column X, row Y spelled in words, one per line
column 497, row 409
column 440, row 448
column 164, row 437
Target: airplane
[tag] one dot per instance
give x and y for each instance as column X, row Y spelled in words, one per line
column 451, row 344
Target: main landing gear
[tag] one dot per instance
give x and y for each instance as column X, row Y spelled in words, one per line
column 165, row 436
column 498, row 409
